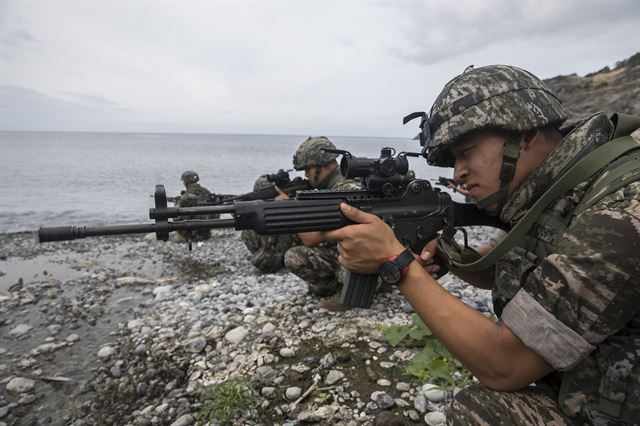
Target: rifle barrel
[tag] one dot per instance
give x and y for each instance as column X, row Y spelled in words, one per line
column 68, row 233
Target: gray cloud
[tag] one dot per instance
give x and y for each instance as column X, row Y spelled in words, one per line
column 23, row 108
column 350, row 68
column 433, row 34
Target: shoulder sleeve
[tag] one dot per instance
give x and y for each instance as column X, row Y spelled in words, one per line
column 588, row 289
column 346, row 184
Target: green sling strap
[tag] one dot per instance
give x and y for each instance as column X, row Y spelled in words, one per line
column 578, row 173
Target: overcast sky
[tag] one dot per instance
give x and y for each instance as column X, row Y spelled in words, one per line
column 336, row 68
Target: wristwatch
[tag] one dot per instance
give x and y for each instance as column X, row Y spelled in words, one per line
column 392, row 271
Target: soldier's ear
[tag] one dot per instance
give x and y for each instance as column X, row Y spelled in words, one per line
column 531, row 138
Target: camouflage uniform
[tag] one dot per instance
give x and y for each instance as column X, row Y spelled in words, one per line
column 193, row 194
column 267, row 251
column 319, row 265
column 569, row 290
column 572, row 297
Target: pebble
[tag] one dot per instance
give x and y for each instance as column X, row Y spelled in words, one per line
column 287, row 353
column 20, row 330
column 292, row 393
column 434, row 393
column 236, row 335
column 239, row 324
column 106, row 352
column 333, row 377
column 195, row 345
column 184, row 420
column 385, row 401
column 20, row 385
column 435, row 418
column 140, row 350
column 73, row 337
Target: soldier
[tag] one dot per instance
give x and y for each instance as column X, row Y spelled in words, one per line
column 306, row 254
column 566, row 294
column 190, row 197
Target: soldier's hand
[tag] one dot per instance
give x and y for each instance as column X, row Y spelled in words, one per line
column 431, row 261
column 365, row 245
column 427, row 258
column 281, row 194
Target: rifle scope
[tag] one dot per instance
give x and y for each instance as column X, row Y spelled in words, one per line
column 387, row 165
column 280, row 178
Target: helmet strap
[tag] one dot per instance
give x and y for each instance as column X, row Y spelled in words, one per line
column 510, row 155
column 316, row 179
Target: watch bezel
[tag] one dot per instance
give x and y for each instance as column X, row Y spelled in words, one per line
column 387, row 268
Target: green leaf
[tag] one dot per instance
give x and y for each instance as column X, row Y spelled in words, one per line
column 420, row 325
column 396, row 334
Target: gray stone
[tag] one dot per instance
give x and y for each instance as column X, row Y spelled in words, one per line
column 140, row 350
column 268, row 329
column 293, row 393
column 433, row 393
column 287, row 353
column 106, row 352
column 420, row 402
column 20, row 385
column 334, row 376
column 162, row 292
column 435, row 418
column 115, row 371
column 268, row 392
column 20, row 330
column 236, row 335
column 195, row 345
column 184, row 420
column 385, row 401
column 73, row 337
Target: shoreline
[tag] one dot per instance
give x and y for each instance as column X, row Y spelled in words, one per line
column 129, row 330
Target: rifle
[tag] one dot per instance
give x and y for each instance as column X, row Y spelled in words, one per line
column 281, row 179
column 443, row 181
column 414, row 209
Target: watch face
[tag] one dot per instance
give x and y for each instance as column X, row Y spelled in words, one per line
column 390, row 273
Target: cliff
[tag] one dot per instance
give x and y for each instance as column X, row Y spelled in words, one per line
column 608, row 90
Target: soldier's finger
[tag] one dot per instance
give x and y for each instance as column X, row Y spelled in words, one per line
column 356, row 215
column 429, row 250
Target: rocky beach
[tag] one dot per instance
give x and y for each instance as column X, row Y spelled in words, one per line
column 133, row 331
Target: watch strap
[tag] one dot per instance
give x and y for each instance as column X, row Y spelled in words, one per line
column 404, row 258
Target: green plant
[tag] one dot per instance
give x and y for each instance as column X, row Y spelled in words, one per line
column 222, row 402
column 433, row 361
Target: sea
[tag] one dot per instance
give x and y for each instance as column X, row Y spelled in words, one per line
column 59, row 178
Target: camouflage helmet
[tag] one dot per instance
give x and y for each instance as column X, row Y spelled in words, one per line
column 189, row 177
column 496, row 96
column 261, row 183
column 310, row 153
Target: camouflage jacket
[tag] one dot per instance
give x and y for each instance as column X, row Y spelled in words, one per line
column 194, row 193
column 335, row 180
column 572, row 292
